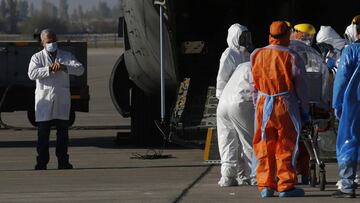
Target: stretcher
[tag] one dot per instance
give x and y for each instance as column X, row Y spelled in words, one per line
column 320, row 122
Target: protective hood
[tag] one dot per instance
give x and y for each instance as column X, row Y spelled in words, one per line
column 279, row 33
column 234, row 33
column 328, row 35
column 350, row 33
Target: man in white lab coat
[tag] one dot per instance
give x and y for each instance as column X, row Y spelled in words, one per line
column 51, row 68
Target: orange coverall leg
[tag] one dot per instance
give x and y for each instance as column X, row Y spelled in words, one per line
column 275, row 153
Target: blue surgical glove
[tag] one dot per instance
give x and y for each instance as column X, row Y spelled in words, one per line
column 338, row 113
column 305, row 117
column 331, row 63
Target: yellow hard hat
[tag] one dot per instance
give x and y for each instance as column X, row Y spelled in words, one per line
column 306, row 28
column 356, row 20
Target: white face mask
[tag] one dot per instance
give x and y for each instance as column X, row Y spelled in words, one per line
column 51, row 47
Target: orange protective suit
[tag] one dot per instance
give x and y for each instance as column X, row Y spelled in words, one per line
column 279, row 78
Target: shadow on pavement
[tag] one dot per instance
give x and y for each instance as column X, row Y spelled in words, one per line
column 124, row 167
column 108, row 142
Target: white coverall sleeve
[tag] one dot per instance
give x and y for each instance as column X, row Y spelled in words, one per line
column 36, row 70
column 226, row 68
column 254, row 92
column 73, row 66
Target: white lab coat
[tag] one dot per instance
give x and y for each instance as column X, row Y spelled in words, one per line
column 231, row 57
column 52, row 94
column 235, row 126
column 314, row 63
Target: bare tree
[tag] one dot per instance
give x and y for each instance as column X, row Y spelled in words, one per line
column 3, row 9
column 13, row 15
column 23, row 10
column 63, row 9
column 32, row 10
column 80, row 13
column 103, row 9
column 117, row 10
column 48, row 9
column 74, row 16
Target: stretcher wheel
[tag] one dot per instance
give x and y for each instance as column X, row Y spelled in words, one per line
column 322, row 180
column 313, row 175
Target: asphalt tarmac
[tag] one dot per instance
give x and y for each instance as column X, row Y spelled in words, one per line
column 107, row 172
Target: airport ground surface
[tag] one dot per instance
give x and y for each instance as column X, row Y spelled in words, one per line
column 105, row 171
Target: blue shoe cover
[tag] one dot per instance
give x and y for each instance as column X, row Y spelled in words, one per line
column 296, row 192
column 267, row 192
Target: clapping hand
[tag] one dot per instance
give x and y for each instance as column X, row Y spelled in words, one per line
column 57, row 67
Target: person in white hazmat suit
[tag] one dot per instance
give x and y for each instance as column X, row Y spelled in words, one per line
column 51, row 68
column 331, row 45
column 239, row 44
column 350, row 34
column 235, row 128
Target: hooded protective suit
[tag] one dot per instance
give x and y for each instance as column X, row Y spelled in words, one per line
column 350, row 33
column 235, row 126
column 346, row 101
column 231, row 57
column 314, row 63
column 278, row 75
column 327, row 35
column 52, row 94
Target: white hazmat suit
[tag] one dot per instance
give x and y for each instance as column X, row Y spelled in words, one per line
column 350, row 33
column 231, row 57
column 235, row 127
column 329, row 36
column 52, row 94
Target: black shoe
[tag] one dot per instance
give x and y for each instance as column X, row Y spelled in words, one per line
column 40, row 167
column 65, row 166
column 339, row 194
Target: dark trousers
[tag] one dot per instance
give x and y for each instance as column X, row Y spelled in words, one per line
column 62, row 140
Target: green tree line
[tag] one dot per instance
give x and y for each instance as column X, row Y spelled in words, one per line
column 20, row 16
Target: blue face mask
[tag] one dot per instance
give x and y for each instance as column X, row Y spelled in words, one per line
column 51, row 47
